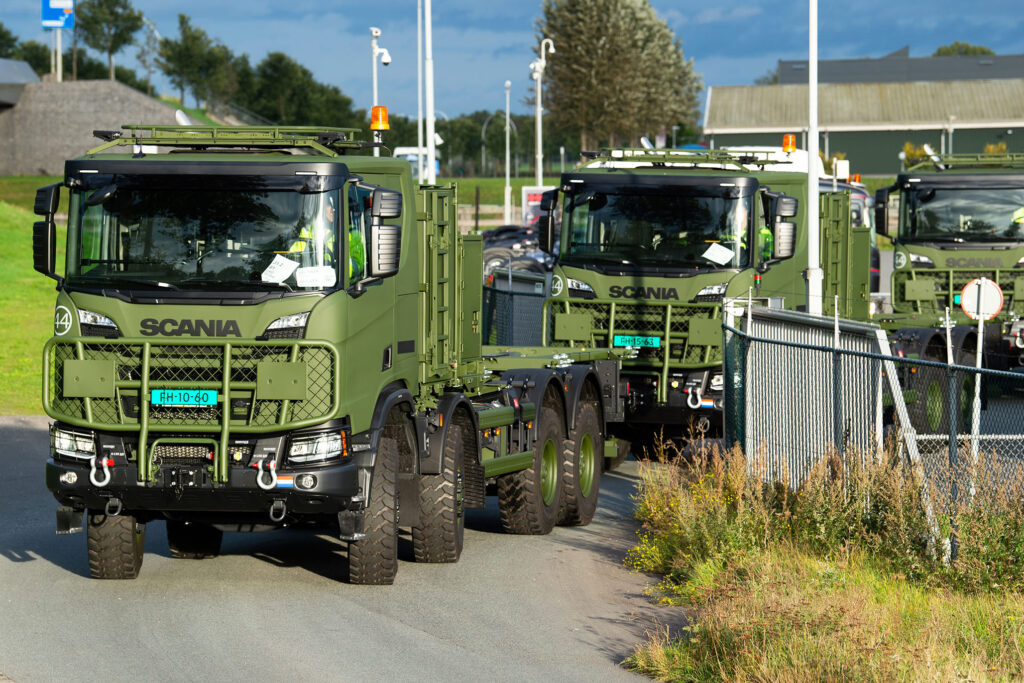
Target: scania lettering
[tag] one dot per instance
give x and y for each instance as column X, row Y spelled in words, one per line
column 266, row 327
column 617, row 292
column 195, row 328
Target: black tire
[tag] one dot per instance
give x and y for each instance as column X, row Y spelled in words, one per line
column 529, row 265
column 581, row 468
column 621, row 453
column 373, row 560
column 116, row 546
column 529, row 500
column 931, row 413
column 439, row 537
column 193, row 540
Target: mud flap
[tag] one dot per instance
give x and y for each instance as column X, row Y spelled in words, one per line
column 69, row 520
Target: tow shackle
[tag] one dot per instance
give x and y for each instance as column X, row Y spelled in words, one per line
column 693, row 399
column 271, row 468
column 105, row 464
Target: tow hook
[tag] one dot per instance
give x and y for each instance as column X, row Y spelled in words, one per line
column 277, row 511
column 693, row 399
column 271, row 467
column 113, row 507
column 105, row 463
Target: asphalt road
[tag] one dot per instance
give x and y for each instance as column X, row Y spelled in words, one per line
column 558, row 607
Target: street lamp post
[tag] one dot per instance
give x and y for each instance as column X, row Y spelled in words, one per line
column 538, row 74
column 385, row 59
column 508, row 179
column 428, row 80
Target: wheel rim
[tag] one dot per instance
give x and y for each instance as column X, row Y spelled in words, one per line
column 548, row 472
column 586, row 468
column 933, row 404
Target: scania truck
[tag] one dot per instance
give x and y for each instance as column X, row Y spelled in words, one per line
column 258, row 328
column 959, row 217
column 652, row 242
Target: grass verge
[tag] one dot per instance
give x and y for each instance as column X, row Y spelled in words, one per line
column 27, row 313
column 835, row 582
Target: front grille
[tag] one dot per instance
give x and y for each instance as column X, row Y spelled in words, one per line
column 939, row 287
column 648, row 320
column 182, row 454
column 176, row 365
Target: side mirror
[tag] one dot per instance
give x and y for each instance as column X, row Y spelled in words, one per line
column 44, row 247
column 47, row 199
column 786, row 206
column 784, row 239
column 385, row 249
column 882, row 211
column 386, row 204
column 548, row 206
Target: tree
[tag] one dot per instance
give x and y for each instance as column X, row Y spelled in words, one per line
column 618, row 72
column 187, row 60
column 770, row 77
column 35, row 53
column 8, row 42
column 107, row 26
column 149, row 53
column 958, row 49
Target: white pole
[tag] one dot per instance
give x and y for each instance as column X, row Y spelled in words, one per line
column 539, row 155
column 508, row 170
column 374, row 33
column 538, row 76
column 60, row 58
column 419, row 89
column 814, row 274
column 428, row 36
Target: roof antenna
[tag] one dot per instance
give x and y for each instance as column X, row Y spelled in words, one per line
column 182, row 118
column 645, row 142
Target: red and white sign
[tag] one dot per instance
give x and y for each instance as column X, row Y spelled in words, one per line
column 981, row 299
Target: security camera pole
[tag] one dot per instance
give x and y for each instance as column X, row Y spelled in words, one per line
column 385, row 59
column 538, row 74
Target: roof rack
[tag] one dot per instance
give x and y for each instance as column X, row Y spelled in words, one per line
column 687, row 157
column 325, row 140
column 947, row 161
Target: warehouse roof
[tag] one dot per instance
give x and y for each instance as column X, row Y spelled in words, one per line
column 900, row 66
column 993, row 103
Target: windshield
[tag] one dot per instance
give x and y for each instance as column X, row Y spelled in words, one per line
column 681, row 227
column 207, row 239
column 962, row 215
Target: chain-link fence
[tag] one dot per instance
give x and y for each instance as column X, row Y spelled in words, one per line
column 801, row 385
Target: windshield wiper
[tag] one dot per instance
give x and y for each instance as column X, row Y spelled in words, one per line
column 131, row 281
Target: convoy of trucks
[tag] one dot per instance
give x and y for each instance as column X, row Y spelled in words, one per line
column 260, row 328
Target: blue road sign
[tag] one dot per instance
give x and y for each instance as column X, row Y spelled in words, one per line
column 58, row 13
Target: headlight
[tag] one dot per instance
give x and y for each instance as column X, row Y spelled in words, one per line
column 716, row 382
column 74, row 444
column 288, row 327
column 318, row 448
column 96, row 325
column 579, row 288
column 918, row 261
column 711, row 293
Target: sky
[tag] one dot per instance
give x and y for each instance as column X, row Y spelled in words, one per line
column 479, row 44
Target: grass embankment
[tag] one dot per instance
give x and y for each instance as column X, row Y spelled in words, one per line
column 829, row 583
column 26, row 309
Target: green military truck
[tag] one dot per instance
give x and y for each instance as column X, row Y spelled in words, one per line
column 260, row 328
column 653, row 241
column 960, row 217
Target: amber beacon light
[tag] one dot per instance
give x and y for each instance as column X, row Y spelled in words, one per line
column 788, row 143
column 379, row 118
